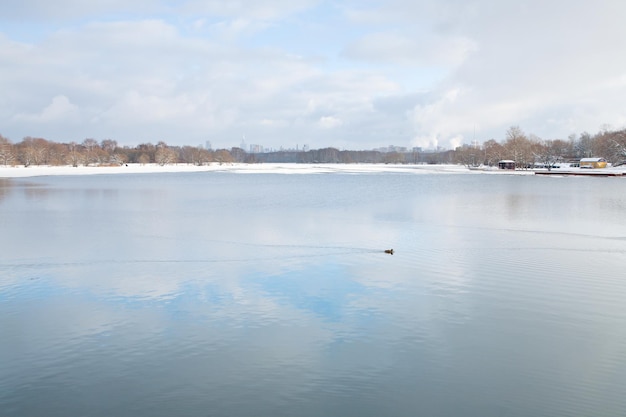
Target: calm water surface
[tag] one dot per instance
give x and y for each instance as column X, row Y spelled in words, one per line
column 222, row 294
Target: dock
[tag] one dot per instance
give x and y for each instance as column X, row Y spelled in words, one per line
column 600, row 172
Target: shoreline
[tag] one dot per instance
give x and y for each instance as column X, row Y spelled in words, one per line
column 20, row 171
column 283, row 168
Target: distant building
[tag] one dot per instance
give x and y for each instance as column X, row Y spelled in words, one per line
column 256, row 148
column 207, row 145
column 593, row 163
column 392, row 148
column 506, row 164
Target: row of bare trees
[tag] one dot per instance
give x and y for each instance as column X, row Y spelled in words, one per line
column 529, row 150
column 525, row 150
column 39, row 151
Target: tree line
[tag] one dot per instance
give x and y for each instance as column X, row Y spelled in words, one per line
column 90, row 152
column 530, row 150
column 525, row 150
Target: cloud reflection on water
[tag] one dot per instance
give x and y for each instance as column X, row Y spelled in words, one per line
column 198, row 297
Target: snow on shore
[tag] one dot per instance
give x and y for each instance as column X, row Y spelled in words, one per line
column 280, row 168
column 268, row 168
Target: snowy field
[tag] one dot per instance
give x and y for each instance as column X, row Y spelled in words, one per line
column 280, row 168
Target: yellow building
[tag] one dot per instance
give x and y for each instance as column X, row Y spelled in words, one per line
column 593, row 163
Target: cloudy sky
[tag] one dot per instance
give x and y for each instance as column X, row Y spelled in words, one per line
column 350, row 74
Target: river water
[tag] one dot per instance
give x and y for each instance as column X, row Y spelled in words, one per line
column 224, row 294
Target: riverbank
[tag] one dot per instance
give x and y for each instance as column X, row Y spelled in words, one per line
column 280, row 168
column 284, row 168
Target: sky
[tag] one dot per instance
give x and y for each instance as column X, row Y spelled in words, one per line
column 293, row 73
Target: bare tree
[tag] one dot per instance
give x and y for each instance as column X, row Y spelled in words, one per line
column 389, row 158
column 222, row 156
column 561, row 148
column 494, row 152
column 33, row 151
column 118, row 159
column 90, row 144
column 519, row 147
column 92, row 154
column 7, row 151
column 144, row 159
column 57, row 153
column 74, row 154
column 619, row 145
column 468, row 155
column 194, row 155
column 109, row 145
column 513, row 144
column 583, row 146
column 146, row 152
column 545, row 153
column 164, row 155
column 610, row 145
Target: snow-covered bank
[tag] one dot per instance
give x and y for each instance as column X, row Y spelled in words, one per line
column 278, row 168
column 281, row 168
column 37, row 171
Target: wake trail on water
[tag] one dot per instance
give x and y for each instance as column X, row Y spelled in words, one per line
column 295, row 246
column 326, row 251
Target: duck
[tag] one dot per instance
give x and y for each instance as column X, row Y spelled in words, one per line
column 389, row 251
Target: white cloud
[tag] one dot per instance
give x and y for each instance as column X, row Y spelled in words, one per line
column 395, row 72
column 252, row 9
column 431, row 122
column 59, row 110
column 137, row 107
column 329, row 122
column 273, row 123
column 405, row 49
column 529, row 63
